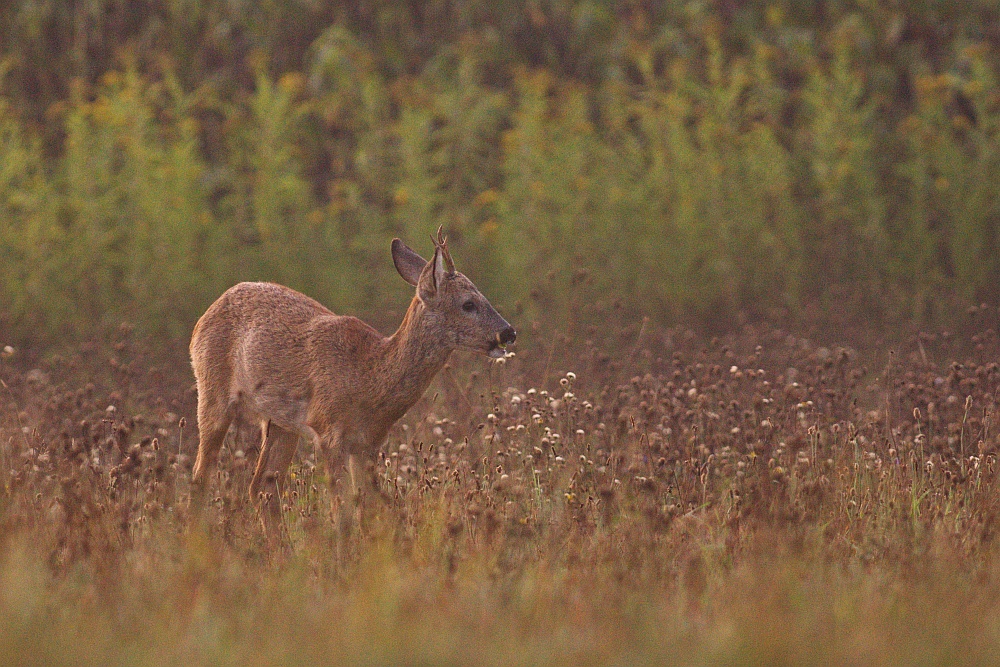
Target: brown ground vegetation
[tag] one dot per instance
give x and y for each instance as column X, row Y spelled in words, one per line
column 755, row 498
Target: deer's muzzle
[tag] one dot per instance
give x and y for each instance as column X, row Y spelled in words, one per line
column 500, row 341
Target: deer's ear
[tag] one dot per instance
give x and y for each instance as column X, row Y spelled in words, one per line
column 408, row 263
column 442, row 264
column 431, row 276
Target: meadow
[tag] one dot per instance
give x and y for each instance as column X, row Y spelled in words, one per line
column 751, row 249
column 758, row 498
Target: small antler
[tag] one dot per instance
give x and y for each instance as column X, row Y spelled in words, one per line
column 442, row 243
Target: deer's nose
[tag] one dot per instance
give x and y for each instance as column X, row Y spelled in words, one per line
column 507, row 335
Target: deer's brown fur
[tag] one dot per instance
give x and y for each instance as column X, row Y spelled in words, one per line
column 268, row 353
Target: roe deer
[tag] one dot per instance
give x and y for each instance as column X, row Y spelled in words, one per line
column 268, row 353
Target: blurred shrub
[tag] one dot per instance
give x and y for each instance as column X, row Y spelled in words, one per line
column 681, row 160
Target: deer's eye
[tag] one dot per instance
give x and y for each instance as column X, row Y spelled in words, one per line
column 469, row 306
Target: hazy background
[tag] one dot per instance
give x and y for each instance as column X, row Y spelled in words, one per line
column 696, row 162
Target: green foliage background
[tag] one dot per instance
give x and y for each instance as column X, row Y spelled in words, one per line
column 678, row 159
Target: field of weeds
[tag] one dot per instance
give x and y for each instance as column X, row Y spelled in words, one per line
column 758, row 499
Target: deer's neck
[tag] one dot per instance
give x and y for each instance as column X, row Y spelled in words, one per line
column 414, row 355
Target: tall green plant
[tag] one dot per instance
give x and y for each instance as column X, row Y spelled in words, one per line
column 24, row 232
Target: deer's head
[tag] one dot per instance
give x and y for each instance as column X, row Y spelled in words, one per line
column 464, row 316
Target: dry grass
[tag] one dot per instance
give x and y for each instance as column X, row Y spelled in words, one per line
column 757, row 500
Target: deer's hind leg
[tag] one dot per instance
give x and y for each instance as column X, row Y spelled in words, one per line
column 215, row 414
column 276, row 452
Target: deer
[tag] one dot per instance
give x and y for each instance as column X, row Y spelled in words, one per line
column 271, row 355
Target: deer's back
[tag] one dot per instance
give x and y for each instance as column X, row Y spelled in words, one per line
column 254, row 334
